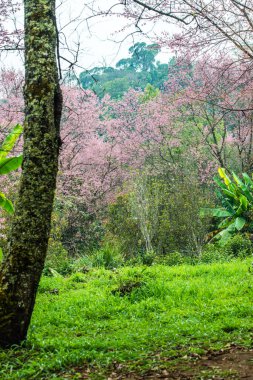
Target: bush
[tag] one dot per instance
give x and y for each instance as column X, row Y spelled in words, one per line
column 57, row 259
column 148, row 258
column 75, row 227
column 162, row 213
column 123, row 228
column 214, row 253
column 77, row 277
column 239, row 246
column 171, row 259
column 82, row 264
column 108, row 256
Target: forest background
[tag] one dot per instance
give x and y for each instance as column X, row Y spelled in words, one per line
column 141, row 143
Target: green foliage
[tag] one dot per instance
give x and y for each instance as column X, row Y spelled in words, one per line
column 108, row 256
column 237, row 200
column 123, row 229
column 6, row 204
column 150, row 92
column 160, row 215
column 213, row 253
column 136, row 72
column 148, row 258
column 171, row 259
column 79, row 231
column 57, row 259
column 10, row 141
column 239, row 246
column 163, row 312
column 9, row 164
column 236, row 246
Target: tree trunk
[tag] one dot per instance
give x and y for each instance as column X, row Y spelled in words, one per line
column 23, row 265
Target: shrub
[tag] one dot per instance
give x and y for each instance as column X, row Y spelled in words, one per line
column 171, row 259
column 213, row 253
column 57, row 259
column 159, row 214
column 77, row 277
column 239, row 246
column 82, row 264
column 108, row 256
column 236, row 197
column 148, row 258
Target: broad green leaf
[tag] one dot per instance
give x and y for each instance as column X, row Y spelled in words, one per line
column 233, row 188
column 218, row 212
column 223, row 236
column 237, row 180
column 247, row 193
column 1, row 255
column 247, row 179
column 240, row 223
column 6, row 204
column 10, row 140
column 9, row 164
column 225, row 223
column 239, row 211
column 230, row 194
column 220, row 183
column 244, row 202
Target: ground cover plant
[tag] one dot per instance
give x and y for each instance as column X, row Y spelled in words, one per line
column 134, row 319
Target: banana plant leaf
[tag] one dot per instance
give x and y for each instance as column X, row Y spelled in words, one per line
column 230, row 194
column 218, row 212
column 9, row 164
column 237, row 180
column 247, row 179
column 9, row 142
column 240, row 223
column 6, row 204
column 220, row 183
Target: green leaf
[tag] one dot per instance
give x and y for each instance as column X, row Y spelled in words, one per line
column 237, row 180
column 247, row 179
column 244, row 202
column 9, row 164
column 10, row 141
column 247, row 193
column 230, row 194
column 218, row 212
column 240, row 223
column 220, row 183
column 223, row 236
column 6, row 204
column 225, row 223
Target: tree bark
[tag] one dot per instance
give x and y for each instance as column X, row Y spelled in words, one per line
column 23, row 265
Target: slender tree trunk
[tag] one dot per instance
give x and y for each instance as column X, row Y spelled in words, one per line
column 22, row 268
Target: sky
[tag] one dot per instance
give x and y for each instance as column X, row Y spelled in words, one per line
column 101, row 42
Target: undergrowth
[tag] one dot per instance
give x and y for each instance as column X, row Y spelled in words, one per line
column 130, row 315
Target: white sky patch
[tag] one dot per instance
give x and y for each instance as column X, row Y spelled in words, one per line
column 101, row 41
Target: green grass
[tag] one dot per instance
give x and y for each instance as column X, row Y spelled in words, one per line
column 136, row 316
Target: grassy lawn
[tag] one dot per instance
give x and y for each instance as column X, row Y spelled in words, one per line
column 138, row 317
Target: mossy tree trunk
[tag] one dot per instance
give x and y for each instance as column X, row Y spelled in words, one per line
column 23, row 265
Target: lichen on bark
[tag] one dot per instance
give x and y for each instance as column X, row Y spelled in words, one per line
column 21, row 270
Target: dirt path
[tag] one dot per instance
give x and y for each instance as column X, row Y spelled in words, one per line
column 234, row 363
